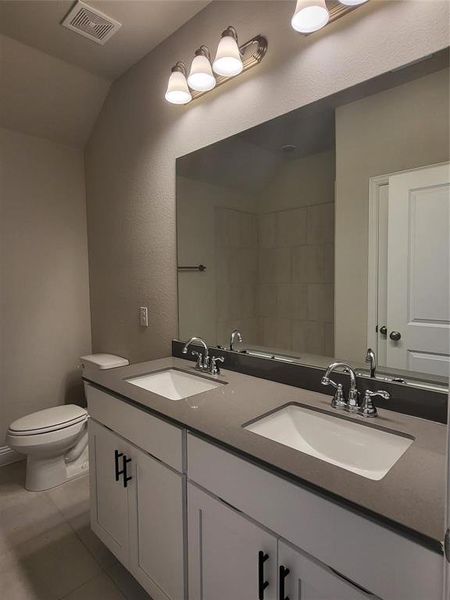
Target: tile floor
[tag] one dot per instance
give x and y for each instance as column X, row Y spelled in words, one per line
column 47, row 550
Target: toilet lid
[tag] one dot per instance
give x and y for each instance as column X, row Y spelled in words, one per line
column 48, row 419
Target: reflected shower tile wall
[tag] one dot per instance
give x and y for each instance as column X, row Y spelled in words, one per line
column 274, row 277
column 295, row 295
column 236, row 250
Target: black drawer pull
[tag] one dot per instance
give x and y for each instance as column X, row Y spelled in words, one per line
column 262, row 584
column 284, row 572
column 117, row 455
column 126, row 477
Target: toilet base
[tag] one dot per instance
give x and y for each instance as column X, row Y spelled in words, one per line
column 46, row 473
column 78, row 467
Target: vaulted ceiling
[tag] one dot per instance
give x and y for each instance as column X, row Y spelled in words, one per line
column 145, row 23
column 53, row 81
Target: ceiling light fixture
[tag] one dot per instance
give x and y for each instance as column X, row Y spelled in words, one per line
column 177, row 88
column 201, row 78
column 228, row 61
column 231, row 60
column 310, row 15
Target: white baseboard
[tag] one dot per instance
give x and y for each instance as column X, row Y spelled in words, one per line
column 8, row 456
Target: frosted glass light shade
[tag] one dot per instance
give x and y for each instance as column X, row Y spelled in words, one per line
column 177, row 89
column 201, row 78
column 352, row 2
column 310, row 15
column 228, row 61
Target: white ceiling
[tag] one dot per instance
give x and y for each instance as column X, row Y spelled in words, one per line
column 145, row 23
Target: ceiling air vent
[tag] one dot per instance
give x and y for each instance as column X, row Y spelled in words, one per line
column 91, row 23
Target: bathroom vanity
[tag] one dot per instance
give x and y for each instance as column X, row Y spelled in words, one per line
column 198, row 506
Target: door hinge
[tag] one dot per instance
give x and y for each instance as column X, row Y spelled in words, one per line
column 446, row 545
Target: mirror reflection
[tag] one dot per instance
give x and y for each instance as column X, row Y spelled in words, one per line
column 325, row 232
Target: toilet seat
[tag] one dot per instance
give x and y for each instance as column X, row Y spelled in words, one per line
column 48, row 420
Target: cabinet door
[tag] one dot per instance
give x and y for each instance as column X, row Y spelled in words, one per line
column 224, row 553
column 309, row 580
column 156, row 528
column 109, row 496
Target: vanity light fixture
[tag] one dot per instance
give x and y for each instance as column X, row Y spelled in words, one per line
column 230, row 60
column 201, row 78
column 352, row 2
column 312, row 15
column 177, row 88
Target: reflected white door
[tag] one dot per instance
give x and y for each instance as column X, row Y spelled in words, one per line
column 418, row 305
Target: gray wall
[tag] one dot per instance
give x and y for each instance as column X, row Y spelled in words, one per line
column 402, row 128
column 44, row 292
column 131, row 155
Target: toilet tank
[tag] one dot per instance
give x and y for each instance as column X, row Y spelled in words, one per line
column 94, row 362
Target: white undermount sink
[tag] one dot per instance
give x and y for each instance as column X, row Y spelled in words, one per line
column 364, row 450
column 174, row 384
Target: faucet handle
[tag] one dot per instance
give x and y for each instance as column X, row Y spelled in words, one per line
column 367, row 408
column 214, row 368
column 327, row 381
column 338, row 398
column 199, row 363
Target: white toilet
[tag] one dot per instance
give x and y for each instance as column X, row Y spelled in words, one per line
column 55, row 440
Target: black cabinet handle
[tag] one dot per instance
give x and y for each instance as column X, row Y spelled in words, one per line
column 126, row 477
column 117, row 472
column 284, row 572
column 262, row 584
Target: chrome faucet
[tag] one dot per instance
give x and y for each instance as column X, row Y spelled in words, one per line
column 235, row 335
column 202, row 360
column 352, row 403
column 371, row 359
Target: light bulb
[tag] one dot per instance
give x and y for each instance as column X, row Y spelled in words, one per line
column 177, row 88
column 352, row 2
column 201, row 78
column 228, row 61
column 310, row 15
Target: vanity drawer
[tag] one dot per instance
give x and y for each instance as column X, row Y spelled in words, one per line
column 387, row 564
column 160, row 439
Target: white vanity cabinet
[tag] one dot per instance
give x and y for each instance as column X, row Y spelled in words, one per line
column 138, row 501
column 194, row 521
column 342, row 553
column 156, row 528
column 109, row 498
column 302, row 578
column 232, row 557
column 229, row 556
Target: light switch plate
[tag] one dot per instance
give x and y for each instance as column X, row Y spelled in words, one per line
column 143, row 316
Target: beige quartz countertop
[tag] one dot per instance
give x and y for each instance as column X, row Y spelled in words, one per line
column 409, row 498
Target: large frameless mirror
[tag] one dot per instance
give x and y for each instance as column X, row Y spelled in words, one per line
column 325, row 231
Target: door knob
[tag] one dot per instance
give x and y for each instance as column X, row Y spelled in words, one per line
column 383, row 330
column 395, row 336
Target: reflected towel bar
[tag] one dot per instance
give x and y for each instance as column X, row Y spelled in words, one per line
column 192, row 268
